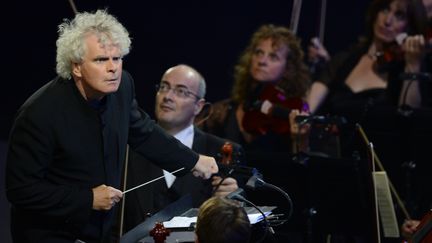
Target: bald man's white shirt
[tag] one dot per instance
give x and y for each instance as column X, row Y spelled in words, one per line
column 185, row 136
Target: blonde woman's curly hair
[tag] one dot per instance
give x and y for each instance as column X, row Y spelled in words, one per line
column 295, row 79
column 71, row 46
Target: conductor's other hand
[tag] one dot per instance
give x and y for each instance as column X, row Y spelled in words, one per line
column 205, row 167
column 226, row 187
column 105, row 197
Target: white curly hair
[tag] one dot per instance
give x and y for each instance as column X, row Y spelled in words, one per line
column 71, row 46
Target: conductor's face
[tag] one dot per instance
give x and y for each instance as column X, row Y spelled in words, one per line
column 99, row 73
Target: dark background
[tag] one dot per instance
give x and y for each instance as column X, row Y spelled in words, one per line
column 208, row 35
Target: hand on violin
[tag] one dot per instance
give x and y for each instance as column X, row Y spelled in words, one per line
column 299, row 134
column 414, row 48
column 409, row 227
column 294, row 126
column 226, row 187
column 317, row 52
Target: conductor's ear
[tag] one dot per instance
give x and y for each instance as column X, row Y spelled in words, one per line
column 76, row 70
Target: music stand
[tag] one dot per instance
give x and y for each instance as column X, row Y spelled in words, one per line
column 330, row 195
column 181, row 207
column 402, row 143
column 278, row 169
column 142, row 230
column 340, row 194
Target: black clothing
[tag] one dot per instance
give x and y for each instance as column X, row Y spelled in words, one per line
column 153, row 197
column 60, row 148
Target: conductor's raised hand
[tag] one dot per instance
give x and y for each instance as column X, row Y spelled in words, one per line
column 105, row 197
column 205, row 167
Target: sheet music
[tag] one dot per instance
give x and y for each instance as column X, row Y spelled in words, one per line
column 257, row 217
column 185, row 222
column 180, row 222
column 385, row 205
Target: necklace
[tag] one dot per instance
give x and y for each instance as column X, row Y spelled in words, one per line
column 374, row 55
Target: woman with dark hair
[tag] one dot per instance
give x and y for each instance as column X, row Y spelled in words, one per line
column 358, row 81
column 363, row 75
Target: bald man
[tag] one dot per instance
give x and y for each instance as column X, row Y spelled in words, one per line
column 179, row 98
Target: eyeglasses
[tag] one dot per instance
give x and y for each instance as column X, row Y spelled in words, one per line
column 181, row 92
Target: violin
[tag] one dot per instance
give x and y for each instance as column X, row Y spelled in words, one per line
column 227, row 153
column 230, row 163
column 159, row 233
column 390, row 55
column 228, row 159
column 392, row 52
column 269, row 112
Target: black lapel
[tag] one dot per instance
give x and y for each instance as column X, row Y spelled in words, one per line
column 200, row 141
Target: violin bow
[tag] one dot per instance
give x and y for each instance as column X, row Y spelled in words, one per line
column 295, row 15
column 73, row 6
column 376, row 160
column 322, row 20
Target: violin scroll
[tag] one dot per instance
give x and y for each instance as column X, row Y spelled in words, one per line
column 227, row 152
column 159, row 233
